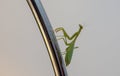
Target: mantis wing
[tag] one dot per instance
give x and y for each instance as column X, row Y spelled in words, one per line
column 69, row 53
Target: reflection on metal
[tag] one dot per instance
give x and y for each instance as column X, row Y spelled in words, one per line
column 49, row 37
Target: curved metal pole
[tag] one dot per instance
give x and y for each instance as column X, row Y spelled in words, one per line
column 49, row 37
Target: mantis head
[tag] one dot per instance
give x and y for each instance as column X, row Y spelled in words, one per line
column 80, row 26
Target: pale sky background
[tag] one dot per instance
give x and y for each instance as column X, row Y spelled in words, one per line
column 22, row 50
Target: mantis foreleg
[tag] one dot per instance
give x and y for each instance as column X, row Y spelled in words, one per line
column 66, row 35
column 64, row 32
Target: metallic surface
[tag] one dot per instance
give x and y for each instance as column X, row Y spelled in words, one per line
column 49, row 37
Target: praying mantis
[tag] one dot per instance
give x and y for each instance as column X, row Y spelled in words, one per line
column 70, row 46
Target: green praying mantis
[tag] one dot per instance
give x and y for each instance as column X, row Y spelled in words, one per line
column 70, row 46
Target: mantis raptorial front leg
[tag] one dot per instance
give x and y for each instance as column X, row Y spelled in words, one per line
column 70, row 46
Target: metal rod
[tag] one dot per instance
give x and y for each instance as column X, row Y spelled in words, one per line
column 48, row 36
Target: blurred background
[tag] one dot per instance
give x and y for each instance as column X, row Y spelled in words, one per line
column 22, row 49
